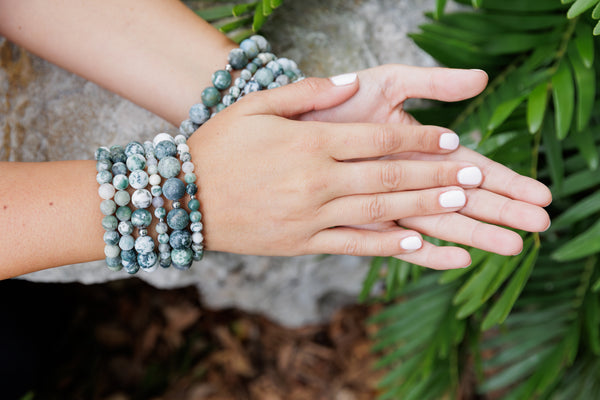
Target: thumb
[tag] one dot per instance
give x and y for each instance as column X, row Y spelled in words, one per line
column 310, row 94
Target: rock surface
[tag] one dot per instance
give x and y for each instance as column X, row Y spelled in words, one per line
column 49, row 114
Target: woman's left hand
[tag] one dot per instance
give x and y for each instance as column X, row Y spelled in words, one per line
column 504, row 198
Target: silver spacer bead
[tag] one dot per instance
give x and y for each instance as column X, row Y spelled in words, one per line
column 143, row 232
column 176, row 204
column 228, row 68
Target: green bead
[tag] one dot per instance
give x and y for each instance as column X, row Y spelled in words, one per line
column 178, row 218
column 136, row 162
column 110, row 223
column 103, row 177
column 108, row 207
column 194, row 204
column 120, row 182
column 122, row 198
column 220, row 107
column 264, row 76
column 195, row 216
column 182, row 256
column 163, row 238
column 211, row 96
column 221, row 79
column 123, row 213
column 190, row 177
column 169, row 167
column 141, row 218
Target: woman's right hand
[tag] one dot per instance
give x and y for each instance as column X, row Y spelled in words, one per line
column 272, row 185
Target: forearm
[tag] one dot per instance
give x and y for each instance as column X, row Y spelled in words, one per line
column 156, row 53
column 49, row 214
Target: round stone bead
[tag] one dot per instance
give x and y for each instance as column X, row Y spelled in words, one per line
column 110, row 223
column 237, row 58
column 239, row 83
column 117, row 154
column 148, row 147
column 156, row 191
column 198, row 255
column 161, row 227
column 131, row 267
column 188, row 127
column 160, row 213
column 282, row 79
column 173, row 189
column 194, row 204
column 246, row 75
column 158, row 202
column 134, row 148
column 164, row 248
column 180, row 139
column 250, row 48
column 258, row 62
column 251, row 86
column 103, row 177
column 165, row 149
column 144, row 244
column 127, row 242
column 191, row 189
column 210, row 96
column 122, row 198
column 106, row 191
column 196, row 227
column 228, row 100
column 111, row 237
column 110, row 250
column 190, row 177
column 114, row 263
column 108, row 207
column 152, row 170
column 183, row 148
column 119, row 168
column 138, row 179
column 141, row 218
column 135, row 162
column 128, row 255
column 266, row 58
column 275, row 67
column 181, row 256
column 291, row 75
column 103, row 165
column 163, row 238
column 182, row 267
column 141, row 198
column 197, row 237
column 169, row 167
column 120, row 182
column 123, row 213
column 273, row 85
column 264, row 76
column 197, row 247
column 220, row 107
column 102, row 153
column 147, row 261
column 180, row 239
column 195, row 216
column 125, row 228
column 185, row 157
column 235, row 91
column 178, row 218
column 154, row 179
column 164, row 259
column 261, row 42
column 221, row 79
column 162, row 136
column 252, row 67
column 199, row 114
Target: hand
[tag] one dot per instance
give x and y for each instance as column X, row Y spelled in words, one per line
column 504, row 198
column 274, row 186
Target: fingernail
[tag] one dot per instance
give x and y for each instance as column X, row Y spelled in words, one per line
column 449, row 141
column 469, row 176
column 344, row 79
column 548, row 227
column 478, row 70
column 453, row 198
column 411, row 243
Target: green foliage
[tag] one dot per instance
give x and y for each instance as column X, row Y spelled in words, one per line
column 239, row 21
column 528, row 326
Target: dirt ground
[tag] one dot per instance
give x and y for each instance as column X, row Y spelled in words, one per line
column 126, row 341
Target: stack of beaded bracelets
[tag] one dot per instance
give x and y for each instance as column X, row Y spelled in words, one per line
column 260, row 69
column 137, row 166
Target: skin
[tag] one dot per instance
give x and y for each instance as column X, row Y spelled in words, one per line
column 332, row 175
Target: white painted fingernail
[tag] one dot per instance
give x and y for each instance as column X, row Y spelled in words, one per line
column 411, row 243
column 449, row 141
column 470, row 176
column 344, row 79
column 452, row 199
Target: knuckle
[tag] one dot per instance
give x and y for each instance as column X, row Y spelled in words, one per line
column 386, row 140
column 311, row 85
column 422, row 205
column 392, row 175
column 313, row 142
column 441, row 176
column 375, row 208
column 352, row 247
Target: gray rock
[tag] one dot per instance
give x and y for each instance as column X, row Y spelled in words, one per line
column 50, row 114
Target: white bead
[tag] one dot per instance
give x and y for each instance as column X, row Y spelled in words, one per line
column 106, row 191
column 183, row 148
column 187, row 167
column 112, row 251
column 197, row 237
column 179, row 139
column 162, row 137
column 154, row 179
column 141, row 198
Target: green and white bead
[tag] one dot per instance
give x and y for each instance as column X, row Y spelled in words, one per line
column 141, row 198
